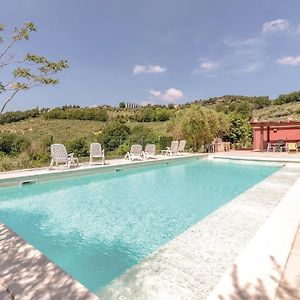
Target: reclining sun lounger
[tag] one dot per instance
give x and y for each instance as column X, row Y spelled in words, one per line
column 96, row 152
column 59, row 155
column 134, row 153
column 150, row 151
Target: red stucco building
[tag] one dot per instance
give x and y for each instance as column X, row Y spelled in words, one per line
column 265, row 132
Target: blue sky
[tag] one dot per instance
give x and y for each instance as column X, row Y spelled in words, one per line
column 159, row 51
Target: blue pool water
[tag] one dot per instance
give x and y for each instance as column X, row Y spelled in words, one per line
column 95, row 227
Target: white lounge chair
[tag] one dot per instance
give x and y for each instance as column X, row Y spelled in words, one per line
column 150, row 151
column 181, row 146
column 173, row 150
column 135, row 153
column 59, row 155
column 96, row 152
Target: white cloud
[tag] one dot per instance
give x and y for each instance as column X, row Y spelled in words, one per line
column 208, row 65
column 138, row 69
column 275, row 26
column 155, row 93
column 170, row 95
column 290, row 60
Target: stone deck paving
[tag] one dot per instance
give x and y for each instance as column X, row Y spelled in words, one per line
column 289, row 286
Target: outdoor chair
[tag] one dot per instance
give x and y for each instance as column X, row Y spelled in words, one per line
column 292, row 147
column 281, row 145
column 298, row 145
column 134, row 153
column 150, row 151
column 271, row 148
column 59, row 155
column 181, row 146
column 173, row 150
column 96, row 152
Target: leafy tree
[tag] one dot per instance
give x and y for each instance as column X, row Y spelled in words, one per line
column 145, row 114
column 140, row 134
column 16, row 116
column 163, row 114
column 122, row 104
column 287, row 98
column 198, row 125
column 114, row 135
column 240, row 133
column 31, row 71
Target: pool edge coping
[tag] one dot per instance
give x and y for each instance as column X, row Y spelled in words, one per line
column 41, row 175
column 265, row 257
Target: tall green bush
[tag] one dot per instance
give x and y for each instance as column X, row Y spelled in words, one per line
column 79, row 147
column 13, row 144
column 114, row 135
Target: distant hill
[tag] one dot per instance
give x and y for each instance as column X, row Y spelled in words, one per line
column 290, row 111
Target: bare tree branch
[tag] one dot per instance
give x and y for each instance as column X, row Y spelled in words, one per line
column 8, row 100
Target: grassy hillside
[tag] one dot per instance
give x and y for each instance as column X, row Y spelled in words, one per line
column 64, row 131
column 41, row 132
column 289, row 111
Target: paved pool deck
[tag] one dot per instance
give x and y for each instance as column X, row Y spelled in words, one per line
column 292, row 157
column 206, row 261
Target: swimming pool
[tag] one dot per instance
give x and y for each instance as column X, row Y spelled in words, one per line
column 97, row 226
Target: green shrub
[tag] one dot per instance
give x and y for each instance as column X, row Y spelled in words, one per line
column 114, row 135
column 79, row 147
column 12, row 144
column 16, row 116
column 21, row 161
column 143, row 135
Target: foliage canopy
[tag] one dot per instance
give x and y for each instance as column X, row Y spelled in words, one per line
column 31, row 70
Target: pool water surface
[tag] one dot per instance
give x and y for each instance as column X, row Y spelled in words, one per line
column 97, row 226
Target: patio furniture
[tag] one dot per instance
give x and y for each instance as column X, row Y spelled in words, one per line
column 150, row 151
column 59, row 155
column 173, row 150
column 210, row 148
column 226, row 146
column 298, row 145
column 134, row 153
column 271, row 147
column 281, row 145
column 292, row 147
column 181, row 146
column 96, row 152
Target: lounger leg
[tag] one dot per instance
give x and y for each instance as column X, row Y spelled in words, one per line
column 51, row 164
